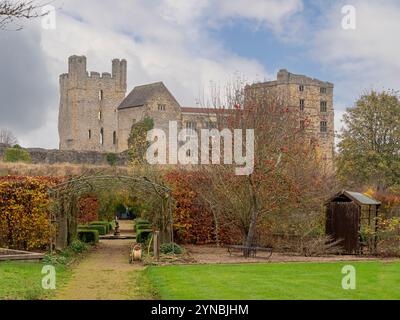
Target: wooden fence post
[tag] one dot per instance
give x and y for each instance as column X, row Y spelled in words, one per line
column 156, row 245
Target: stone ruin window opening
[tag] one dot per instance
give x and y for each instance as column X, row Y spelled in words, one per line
column 301, row 88
column 324, row 126
column 90, row 134
column 161, row 107
column 302, row 104
column 101, row 95
column 323, row 90
column 101, row 136
column 114, row 138
column 100, row 115
column 323, row 106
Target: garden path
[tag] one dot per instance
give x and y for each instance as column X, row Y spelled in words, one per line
column 105, row 274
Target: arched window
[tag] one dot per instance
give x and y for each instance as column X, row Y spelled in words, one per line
column 102, row 136
column 114, row 137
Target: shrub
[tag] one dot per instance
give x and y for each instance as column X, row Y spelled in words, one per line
column 24, row 202
column 63, row 257
column 143, row 235
column 167, row 248
column 111, row 159
column 17, row 154
column 78, row 246
column 54, row 259
column 88, row 236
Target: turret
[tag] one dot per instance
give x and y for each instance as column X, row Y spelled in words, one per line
column 119, row 73
column 77, row 70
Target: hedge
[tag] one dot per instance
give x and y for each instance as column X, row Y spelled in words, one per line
column 142, row 235
column 88, row 209
column 140, row 220
column 17, row 154
column 88, row 236
column 142, row 224
column 101, row 223
column 24, row 221
column 100, row 228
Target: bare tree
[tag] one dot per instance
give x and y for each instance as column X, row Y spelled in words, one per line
column 7, row 137
column 14, row 10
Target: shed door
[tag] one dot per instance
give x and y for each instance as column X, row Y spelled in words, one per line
column 342, row 223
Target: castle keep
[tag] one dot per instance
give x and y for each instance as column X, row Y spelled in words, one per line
column 96, row 114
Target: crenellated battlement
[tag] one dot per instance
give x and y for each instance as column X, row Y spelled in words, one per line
column 78, row 74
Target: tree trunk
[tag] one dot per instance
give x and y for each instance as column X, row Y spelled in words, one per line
column 253, row 219
column 62, row 232
column 252, row 232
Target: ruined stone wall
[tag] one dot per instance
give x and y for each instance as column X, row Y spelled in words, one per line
column 45, row 156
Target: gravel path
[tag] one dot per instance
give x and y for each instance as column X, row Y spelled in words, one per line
column 105, row 274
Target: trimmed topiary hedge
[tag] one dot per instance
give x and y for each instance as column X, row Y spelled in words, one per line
column 88, row 236
column 100, row 228
column 101, row 223
column 142, row 224
column 142, row 235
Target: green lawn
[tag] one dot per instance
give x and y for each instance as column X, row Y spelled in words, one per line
column 23, row 280
column 375, row 280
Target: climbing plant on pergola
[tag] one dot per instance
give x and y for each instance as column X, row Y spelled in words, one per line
column 65, row 196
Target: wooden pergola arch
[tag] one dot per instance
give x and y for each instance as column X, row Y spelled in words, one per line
column 65, row 196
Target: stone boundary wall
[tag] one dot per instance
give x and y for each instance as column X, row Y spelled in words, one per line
column 53, row 156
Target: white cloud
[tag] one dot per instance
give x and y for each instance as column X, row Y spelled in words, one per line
column 165, row 40
column 366, row 57
column 159, row 43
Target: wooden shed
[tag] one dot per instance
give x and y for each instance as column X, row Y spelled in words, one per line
column 346, row 212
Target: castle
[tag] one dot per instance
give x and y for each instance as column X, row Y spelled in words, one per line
column 96, row 114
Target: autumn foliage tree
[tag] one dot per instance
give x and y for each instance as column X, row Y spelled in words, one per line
column 24, row 212
column 287, row 175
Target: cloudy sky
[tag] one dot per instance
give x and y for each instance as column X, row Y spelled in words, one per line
column 188, row 43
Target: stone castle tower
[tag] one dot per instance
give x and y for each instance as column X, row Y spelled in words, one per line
column 88, row 106
column 312, row 99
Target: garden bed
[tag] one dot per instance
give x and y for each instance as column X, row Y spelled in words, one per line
column 10, row 255
column 209, row 254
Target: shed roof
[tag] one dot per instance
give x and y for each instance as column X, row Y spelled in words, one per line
column 357, row 197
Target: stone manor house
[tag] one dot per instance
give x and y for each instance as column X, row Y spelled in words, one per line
column 96, row 114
